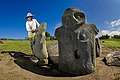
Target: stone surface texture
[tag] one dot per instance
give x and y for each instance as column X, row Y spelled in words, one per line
column 39, row 44
column 113, row 58
column 76, row 41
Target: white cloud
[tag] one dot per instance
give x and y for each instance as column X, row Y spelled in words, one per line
column 58, row 25
column 113, row 28
column 105, row 32
column 110, row 33
column 114, row 33
column 115, row 23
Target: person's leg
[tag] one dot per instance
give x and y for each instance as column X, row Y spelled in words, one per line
column 31, row 43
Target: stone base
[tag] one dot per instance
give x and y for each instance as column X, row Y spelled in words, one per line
column 43, row 62
column 75, row 71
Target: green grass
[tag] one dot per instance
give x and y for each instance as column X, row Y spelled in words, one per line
column 24, row 46
column 111, row 43
column 9, row 45
column 18, row 46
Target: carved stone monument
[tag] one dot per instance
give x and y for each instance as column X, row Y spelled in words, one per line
column 76, row 42
column 39, row 45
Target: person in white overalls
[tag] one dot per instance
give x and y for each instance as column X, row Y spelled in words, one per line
column 36, row 35
column 31, row 26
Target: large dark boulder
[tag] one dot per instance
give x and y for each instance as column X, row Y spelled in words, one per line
column 53, row 52
column 113, row 58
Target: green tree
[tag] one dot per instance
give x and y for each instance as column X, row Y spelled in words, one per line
column 104, row 37
column 116, row 37
column 47, row 34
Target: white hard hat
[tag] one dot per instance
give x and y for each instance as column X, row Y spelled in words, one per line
column 29, row 14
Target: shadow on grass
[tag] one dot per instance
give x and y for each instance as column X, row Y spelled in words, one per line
column 23, row 60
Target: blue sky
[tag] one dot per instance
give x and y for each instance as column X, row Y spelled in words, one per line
column 104, row 13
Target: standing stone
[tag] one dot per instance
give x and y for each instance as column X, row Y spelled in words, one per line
column 97, row 47
column 39, row 44
column 53, row 52
column 76, row 41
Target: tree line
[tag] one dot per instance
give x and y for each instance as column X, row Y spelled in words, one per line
column 107, row 37
column 49, row 37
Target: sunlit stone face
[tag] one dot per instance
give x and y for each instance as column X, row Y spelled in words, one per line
column 72, row 17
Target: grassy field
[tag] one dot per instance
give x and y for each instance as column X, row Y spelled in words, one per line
column 111, row 43
column 18, row 46
column 9, row 66
column 24, row 46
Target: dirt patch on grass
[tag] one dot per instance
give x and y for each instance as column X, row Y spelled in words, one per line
column 17, row 66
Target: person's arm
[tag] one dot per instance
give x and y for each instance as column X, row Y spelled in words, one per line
column 41, row 25
column 37, row 23
column 28, row 27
